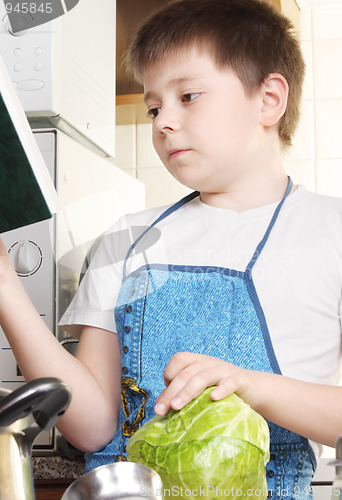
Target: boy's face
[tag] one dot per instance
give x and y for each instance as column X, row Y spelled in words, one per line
column 205, row 130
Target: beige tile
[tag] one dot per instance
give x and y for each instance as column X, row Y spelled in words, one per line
column 125, row 150
column 329, row 177
column 327, row 23
column 308, row 80
column 130, row 171
column 125, row 114
column 327, row 65
column 301, row 172
column 146, row 155
column 303, row 140
column 132, row 113
column 328, row 114
column 161, row 187
column 305, row 25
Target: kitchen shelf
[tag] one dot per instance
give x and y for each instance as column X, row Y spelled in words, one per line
column 122, row 100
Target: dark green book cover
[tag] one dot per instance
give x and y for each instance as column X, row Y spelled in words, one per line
column 21, row 199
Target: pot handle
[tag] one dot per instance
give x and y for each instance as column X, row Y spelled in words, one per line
column 45, row 398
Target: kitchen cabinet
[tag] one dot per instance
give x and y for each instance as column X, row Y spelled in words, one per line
column 129, row 15
column 51, row 489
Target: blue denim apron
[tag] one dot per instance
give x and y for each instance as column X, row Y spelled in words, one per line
column 164, row 309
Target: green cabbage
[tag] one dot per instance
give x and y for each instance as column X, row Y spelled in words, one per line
column 214, row 449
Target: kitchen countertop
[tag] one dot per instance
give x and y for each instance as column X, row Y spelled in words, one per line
column 58, row 472
column 52, row 468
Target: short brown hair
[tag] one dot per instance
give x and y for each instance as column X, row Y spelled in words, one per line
column 249, row 36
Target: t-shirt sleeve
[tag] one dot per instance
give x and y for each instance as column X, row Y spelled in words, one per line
column 95, row 299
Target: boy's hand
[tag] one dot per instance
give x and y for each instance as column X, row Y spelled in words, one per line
column 302, row 407
column 188, row 374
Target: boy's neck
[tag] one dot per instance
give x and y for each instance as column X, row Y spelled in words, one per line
column 249, row 194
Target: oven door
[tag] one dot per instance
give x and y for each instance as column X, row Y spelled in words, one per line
column 32, row 250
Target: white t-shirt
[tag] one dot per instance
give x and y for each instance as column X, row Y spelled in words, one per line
column 298, row 275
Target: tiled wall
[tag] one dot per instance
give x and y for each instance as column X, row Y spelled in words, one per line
column 316, row 156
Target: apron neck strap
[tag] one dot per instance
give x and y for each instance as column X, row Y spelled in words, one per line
column 167, row 212
column 193, row 195
column 262, row 243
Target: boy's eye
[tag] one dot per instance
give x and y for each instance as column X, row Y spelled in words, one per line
column 153, row 112
column 189, row 97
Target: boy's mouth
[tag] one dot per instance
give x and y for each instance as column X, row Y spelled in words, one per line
column 174, row 153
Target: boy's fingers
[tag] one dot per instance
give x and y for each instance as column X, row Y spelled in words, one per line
column 187, row 375
column 172, row 396
column 177, row 364
column 186, row 386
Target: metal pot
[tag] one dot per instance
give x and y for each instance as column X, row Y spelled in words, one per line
column 24, row 413
column 117, row 481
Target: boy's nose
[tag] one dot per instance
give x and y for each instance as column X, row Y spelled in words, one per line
column 167, row 121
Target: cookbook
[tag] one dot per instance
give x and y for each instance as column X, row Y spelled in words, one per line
column 27, row 193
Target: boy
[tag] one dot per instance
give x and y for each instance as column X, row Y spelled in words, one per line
column 236, row 286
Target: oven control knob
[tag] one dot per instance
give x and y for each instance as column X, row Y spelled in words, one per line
column 26, row 257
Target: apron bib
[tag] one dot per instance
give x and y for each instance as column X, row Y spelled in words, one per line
column 202, row 309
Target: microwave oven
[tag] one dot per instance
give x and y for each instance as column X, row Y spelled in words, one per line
column 64, row 72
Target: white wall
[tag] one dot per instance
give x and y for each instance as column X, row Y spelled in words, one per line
column 316, row 157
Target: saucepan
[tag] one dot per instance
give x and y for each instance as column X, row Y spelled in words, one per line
column 120, row 480
column 24, row 413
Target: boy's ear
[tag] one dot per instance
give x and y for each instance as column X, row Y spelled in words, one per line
column 275, row 91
